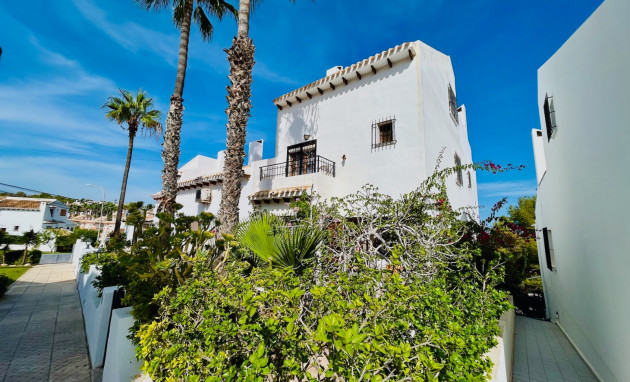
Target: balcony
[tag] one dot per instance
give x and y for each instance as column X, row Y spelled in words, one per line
column 298, row 167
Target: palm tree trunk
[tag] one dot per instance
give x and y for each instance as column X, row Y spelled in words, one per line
column 241, row 58
column 123, row 188
column 24, row 255
column 171, row 152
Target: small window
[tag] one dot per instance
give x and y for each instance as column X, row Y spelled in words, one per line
column 469, row 180
column 197, row 195
column 62, row 213
column 16, row 228
column 3, row 229
column 452, row 104
column 550, row 116
column 549, row 253
column 458, row 169
column 383, row 133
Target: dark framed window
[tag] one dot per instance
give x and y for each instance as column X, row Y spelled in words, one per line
column 383, row 132
column 62, row 213
column 3, row 229
column 549, row 254
column 452, row 104
column 459, row 172
column 197, row 195
column 469, row 180
column 550, row 116
column 302, row 158
column 16, row 228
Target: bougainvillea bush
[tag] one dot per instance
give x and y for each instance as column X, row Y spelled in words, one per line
column 392, row 294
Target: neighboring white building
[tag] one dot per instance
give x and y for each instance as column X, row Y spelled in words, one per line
column 19, row 215
column 582, row 160
column 383, row 121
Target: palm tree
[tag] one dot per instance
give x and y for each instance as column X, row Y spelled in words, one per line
column 136, row 111
column 241, row 58
column 184, row 13
column 29, row 238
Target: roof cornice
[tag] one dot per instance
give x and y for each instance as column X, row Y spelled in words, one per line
column 370, row 66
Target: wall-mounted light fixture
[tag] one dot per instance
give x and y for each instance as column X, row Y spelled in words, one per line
column 343, row 157
column 307, row 137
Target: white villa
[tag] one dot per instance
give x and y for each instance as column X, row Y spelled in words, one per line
column 19, row 215
column 583, row 183
column 383, row 121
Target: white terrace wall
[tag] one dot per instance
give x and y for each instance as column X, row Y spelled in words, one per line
column 341, row 122
column 583, row 196
column 120, row 363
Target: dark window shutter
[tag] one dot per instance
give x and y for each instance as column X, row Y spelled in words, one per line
column 547, row 118
column 547, row 249
column 198, row 195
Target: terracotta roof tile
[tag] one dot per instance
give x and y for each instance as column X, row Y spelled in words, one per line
column 12, row 204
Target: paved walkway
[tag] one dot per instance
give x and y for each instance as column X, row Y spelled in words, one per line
column 42, row 337
column 542, row 353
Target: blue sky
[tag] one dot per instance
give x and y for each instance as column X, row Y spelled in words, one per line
column 62, row 59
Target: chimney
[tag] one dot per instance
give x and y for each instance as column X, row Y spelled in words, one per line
column 333, row 70
column 255, row 151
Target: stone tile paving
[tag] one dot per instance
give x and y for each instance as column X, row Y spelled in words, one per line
column 542, row 353
column 42, row 337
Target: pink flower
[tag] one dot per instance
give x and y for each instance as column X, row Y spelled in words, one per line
column 288, row 224
column 287, row 204
column 297, row 199
column 295, row 209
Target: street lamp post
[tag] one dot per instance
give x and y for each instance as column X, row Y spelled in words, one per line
column 100, row 221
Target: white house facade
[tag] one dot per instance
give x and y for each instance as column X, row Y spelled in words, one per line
column 19, row 215
column 583, row 183
column 384, row 121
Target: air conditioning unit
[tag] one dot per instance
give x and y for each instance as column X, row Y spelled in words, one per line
column 204, row 196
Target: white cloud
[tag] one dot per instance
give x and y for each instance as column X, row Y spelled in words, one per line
column 132, row 36
column 262, row 71
column 503, row 189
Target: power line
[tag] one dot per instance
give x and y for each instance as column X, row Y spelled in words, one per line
column 35, row 191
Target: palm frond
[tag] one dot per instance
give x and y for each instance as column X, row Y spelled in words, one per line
column 156, row 5
column 205, row 26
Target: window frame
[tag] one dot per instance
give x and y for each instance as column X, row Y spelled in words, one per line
column 377, row 133
column 550, row 257
column 549, row 112
column 452, row 104
column 459, row 174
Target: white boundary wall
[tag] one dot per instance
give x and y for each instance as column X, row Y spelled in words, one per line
column 120, row 363
column 582, row 198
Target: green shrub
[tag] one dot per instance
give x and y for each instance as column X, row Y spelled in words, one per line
column 4, row 284
column 34, row 256
column 391, row 294
column 13, row 257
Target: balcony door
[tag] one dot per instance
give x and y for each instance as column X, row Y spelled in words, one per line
column 302, row 158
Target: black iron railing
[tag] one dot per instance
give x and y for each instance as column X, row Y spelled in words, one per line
column 298, row 167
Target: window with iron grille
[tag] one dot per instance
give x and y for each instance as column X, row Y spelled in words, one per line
column 550, row 116
column 549, row 254
column 452, row 104
column 460, row 173
column 383, row 132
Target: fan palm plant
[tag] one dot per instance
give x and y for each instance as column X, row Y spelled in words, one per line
column 138, row 113
column 271, row 244
column 185, row 12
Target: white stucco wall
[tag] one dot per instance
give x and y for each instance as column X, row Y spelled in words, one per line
column 412, row 91
column 415, row 92
column 121, row 364
column 27, row 220
column 440, row 129
column 24, row 220
column 582, row 198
